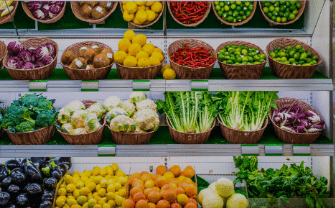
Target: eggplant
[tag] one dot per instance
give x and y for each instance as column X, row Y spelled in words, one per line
column 31, row 171
column 37, row 161
column 3, row 172
column 46, row 204
column 12, row 164
column 64, row 168
column 48, row 195
column 1, row 189
column 56, row 174
column 4, row 198
column 45, row 168
column 54, row 161
column 18, row 177
column 50, row 183
column 66, row 160
column 12, row 206
column 34, row 188
column 22, row 200
column 6, row 182
column 13, row 189
column 26, row 187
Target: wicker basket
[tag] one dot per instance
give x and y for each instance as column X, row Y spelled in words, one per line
column 287, row 71
column 10, row 17
column 76, row 11
column 231, row 71
column 86, row 74
column 242, row 137
column 46, row 21
column 292, row 137
column 189, row 138
column 301, row 10
column 37, row 137
column 237, row 23
column 151, row 23
column 192, row 24
column 3, row 51
column 184, row 72
column 33, row 74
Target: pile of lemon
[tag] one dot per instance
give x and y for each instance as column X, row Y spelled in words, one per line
column 100, row 188
column 168, row 73
column 134, row 51
column 141, row 12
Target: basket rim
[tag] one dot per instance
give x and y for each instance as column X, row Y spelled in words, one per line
column 265, row 124
column 133, row 133
column 28, row 132
column 5, row 52
column 205, row 132
column 8, row 17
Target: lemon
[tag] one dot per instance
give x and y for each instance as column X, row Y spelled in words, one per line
column 141, row 8
column 85, row 205
column 143, row 62
column 82, row 200
column 121, row 179
column 167, row 66
column 157, row 6
column 158, row 50
column 91, row 203
column 71, row 202
column 97, row 206
column 111, row 172
column 61, row 192
column 158, row 55
column 60, row 201
column 154, row 61
column 131, row 7
column 103, row 171
column 70, row 187
column 97, row 187
column 124, row 7
column 80, row 184
column 115, row 166
column 122, row 192
column 110, row 195
column 141, row 54
column 98, row 179
column 75, row 206
column 102, row 192
column 134, row 49
column 127, row 16
column 119, row 173
column 76, row 179
column 111, row 188
column 75, row 173
column 149, row 3
column 107, row 177
column 117, row 186
column 124, row 2
column 85, row 191
column 169, row 74
column 141, row 16
column 150, row 15
column 129, row 34
column 143, row 39
column 63, row 185
column 76, row 193
column 106, row 206
column 119, row 200
column 96, row 169
column 135, row 21
column 70, row 197
column 119, row 57
column 68, row 179
column 139, row 3
column 66, row 206
column 103, row 183
column 102, row 201
column 97, row 198
column 148, row 48
column 123, row 45
column 130, row 61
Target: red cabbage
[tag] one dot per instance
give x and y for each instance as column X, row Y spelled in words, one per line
column 39, row 64
column 14, row 62
column 51, row 48
column 301, row 129
column 304, row 122
column 288, row 128
column 295, row 109
column 26, row 56
column 40, row 13
column 60, row 3
column 55, row 9
column 47, row 60
column 46, row 7
column 34, row 5
column 313, row 117
column 40, row 52
column 283, row 110
column 14, row 48
column 28, row 65
column 315, row 128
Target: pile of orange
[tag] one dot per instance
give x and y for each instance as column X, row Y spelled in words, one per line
column 166, row 189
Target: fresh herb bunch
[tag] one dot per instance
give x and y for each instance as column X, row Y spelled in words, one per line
column 190, row 112
column 295, row 181
column 31, row 112
column 244, row 110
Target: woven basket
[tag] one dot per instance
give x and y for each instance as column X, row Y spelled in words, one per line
column 192, row 24
column 3, row 51
column 242, row 137
column 33, row 74
column 189, row 138
column 292, row 137
column 9, row 17
column 237, row 23
column 76, row 11
column 301, row 10
column 46, row 21
column 287, row 71
column 94, row 137
column 37, row 137
column 151, row 23
column 86, row 74
column 184, row 72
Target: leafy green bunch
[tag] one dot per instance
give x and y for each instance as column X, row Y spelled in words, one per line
column 31, row 112
column 295, row 181
column 190, row 112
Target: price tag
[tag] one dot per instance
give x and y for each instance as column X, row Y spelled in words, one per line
column 250, row 149
column 90, row 85
column 141, row 85
column 273, row 150
column 106, row 150
column 199, row 85
column 37, row 85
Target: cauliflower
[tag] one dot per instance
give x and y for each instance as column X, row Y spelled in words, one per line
column 225, row 187
column 146, row 119
column 237, row 201
column 75, row 105
column 115, row 112
column 212, row 201
column 79, row 131
column 97, row 109
column 64, row 115
column 112, row 102
column 92, row 122
column 212, row 186
column 138, row 130
column 67, row 128
column 137, row 97
column 128, row 107
column 146, row 104
column 122, row 123
column 204, row 193
column 78, row 118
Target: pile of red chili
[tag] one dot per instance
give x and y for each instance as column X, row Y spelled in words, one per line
column 193, row 57
column 188, row 12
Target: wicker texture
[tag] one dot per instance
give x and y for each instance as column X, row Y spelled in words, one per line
column 3, row 51
column 151, row 23
column 33, row 74
column 287, row 71
column 47, row 20
column 293, row 137
column 189, row 138
column 131, row 138
column 10, row 17
column 242, row 137
column 87, row 74
column 231, row 71
column 76, row 11
column 236, row 23
column 301, row 10
column 37, row 137
column 192, row 24
column 184, row 72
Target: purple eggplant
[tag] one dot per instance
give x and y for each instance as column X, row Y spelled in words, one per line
column 64, row 168
column 22, row 200
column 12, row 206
column 13, row 189
column 6, row 182
column 50, row 183
column 12, row 164
column 66, row 160
column 4, row 198
column 46, row 204
column 3, row 172
column 31, row 171
column 34, row 188
column 18, row 177
column 48, row 195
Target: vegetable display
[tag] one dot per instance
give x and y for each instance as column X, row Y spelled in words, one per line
column 281, row 11
column 31, row 182
column 234, row 11
column 141, row 12
column 95, row 9
column 43, row 10
column 240, row 55
column 189, row 112
column 6, row 7
column 296, row 181
column 188, row 12
column 193, row 57
column 245, row 111
column 31, row 112
column 294, row 119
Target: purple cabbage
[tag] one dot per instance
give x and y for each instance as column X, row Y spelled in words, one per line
column 51, row 2
column 313, row 117
column 304, row 122
column 46, row 7
column 28, row 65
column 14, row 62
column 288, row 128
column 40, row 52
column 40, row 13
column 54, row 9
column 47, row 60
column 34, row 5
column 60, row 3
column 14, row 48
column 39, row 64
column 26, row 56
column 301, row 129
column 51, row 48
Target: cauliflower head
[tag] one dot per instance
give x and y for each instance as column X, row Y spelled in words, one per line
column 146, row 119
column 92, row 123
column 204, row 193
column 225, row 187
column 122, row 123
column 78, row 118
column 146, row 104
column 137, row 97
column 138, row 130
column 75, row 105
column 79, row 131
column 64, row 115
column 237, row 201
column 212, row 201
column 115, row 112
column 112, row 102
column 97, row 109
column 129, row 107
column 67, row 128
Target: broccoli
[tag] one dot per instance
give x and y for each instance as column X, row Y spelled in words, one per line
column 46, row 118
column 44, row 104
column 13, row 115
column 30, row 100
column 25, row 126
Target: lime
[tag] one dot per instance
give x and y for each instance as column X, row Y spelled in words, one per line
column 216, row 3
column 229, row 62
column 226, row 8
column 284, row 19
column 298, row 5
column 295, row 12
column 217, row 8
column 220, row 13
column 221, row 4
column 233, row 6
column 250, row 8
column 230, row 19
column 282, row 8
column 303, row 56
column 309, row 54
column 298, row 47
column 273, row 55
column 315, row 58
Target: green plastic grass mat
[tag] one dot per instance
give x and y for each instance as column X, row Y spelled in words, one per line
column 21, row 20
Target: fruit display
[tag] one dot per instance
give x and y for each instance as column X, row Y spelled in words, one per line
column 189, row 12
column 173, row 188
column 281, row 11
column 6, row 7
column 31, row 112
column 31, row 182
column 44, row 10
column 101, row 187
column 94, row 9
column 138, row 114
column 240, row 55
column 141, row 12
column 234, row 11
column 296, row 55
column 24, row 58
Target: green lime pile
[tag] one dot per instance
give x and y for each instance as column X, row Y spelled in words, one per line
column 281, row 11
column 294, row 55
column 240, row 55
column 234, row 11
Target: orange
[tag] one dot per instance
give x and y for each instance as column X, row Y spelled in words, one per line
column 168, row 175
column 176, row 205
column 190, row 190
column 141, row 204
column 166, row 187
column 190, row 200
column 161, row 169
column 190, row 205
column 154, row 177
column 188, row 172
column 161, row 181
column 145, row 177
column 179, row 191
column 138, row 196
column 144, row 172
column 183, row 185
column 151, row 175
column 151, row 205
column 163, row 204
column 128, row 203
column 147, row 191
column 154, row 197
column 149, row 183
column 182, row 199
column 135, row 190
column 138, row 183
column 169, row 195
column 157, row 189
column 173, row 185
column 175, row 169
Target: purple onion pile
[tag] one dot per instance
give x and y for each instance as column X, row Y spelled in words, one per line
column 295, row 120
column 29, row 58
column 45, row 9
